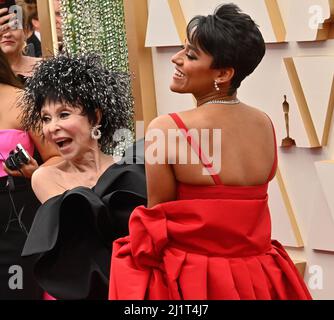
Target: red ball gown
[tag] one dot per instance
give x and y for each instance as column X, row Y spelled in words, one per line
column 213, row 242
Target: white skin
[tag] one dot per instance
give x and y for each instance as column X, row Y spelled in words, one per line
column 83, row 163
column 12, row 43
column 247, row 145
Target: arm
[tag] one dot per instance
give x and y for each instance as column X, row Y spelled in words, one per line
column 48, row 153
column 160, row 179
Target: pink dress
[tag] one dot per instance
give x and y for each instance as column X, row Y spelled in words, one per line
column 9, row 139
column 13, row 228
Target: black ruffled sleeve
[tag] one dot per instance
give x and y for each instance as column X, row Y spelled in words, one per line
column 73, row 233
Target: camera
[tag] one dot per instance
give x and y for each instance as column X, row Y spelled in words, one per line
column 16, row 21
column 17, row 158
column 7, row 3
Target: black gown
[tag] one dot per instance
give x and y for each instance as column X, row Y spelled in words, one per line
column 72, row 233
column 12, row 238
column 20, row 198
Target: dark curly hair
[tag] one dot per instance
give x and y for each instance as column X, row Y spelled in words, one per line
column 82, row 82
column 232, row 38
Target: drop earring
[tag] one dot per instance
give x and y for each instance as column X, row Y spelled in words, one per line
column 96, row 132
column 216, row 86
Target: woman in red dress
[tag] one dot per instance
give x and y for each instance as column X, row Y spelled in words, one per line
column 206, row 232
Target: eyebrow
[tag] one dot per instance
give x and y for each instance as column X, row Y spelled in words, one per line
column 191, row 47
column 61, row 107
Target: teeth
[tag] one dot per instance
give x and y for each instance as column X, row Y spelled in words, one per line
column 179, row 74
column 61, row 143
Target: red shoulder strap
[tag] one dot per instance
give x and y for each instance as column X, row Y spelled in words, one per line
column 195, row 146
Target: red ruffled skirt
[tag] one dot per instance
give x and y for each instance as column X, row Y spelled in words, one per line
column 203, row 249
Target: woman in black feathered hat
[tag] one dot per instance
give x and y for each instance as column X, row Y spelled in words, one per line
column 87, row 197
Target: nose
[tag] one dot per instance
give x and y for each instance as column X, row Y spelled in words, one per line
column 51, row 128
column 177, row 58
column 7, row 35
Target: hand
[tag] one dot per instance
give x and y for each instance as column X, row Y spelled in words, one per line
column 5, row 22
column 26, row 170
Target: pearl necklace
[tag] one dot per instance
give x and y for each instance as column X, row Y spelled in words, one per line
column 222, row 101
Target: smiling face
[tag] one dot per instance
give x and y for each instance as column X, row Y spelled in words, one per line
column 68, row 128
column 193, row 72
column 12, row 42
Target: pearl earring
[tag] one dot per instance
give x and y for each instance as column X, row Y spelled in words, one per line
column 96, row 132
column 216, row 86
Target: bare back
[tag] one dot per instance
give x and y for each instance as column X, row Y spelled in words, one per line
column 247, row 145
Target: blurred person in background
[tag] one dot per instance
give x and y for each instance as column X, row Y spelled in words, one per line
column 18, row 203
column 13, row 44
column 34, row 48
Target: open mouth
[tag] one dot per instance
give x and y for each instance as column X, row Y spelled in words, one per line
column 63, row 143
column 178, row 74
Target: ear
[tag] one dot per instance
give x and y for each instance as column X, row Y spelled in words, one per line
column 98, row 114
column 35, row 24
column 225, row 75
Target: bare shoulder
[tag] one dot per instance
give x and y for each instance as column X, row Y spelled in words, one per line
column 163, row 122
column 258, row 116
column 44, row 183
column 166, row 121
column 43, row 175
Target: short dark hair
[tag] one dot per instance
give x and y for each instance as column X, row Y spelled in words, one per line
column 232, row 38
column 80, row 81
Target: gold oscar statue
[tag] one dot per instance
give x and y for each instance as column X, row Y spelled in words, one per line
column 287, row 142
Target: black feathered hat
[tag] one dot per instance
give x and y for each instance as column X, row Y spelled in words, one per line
column 80, row 81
